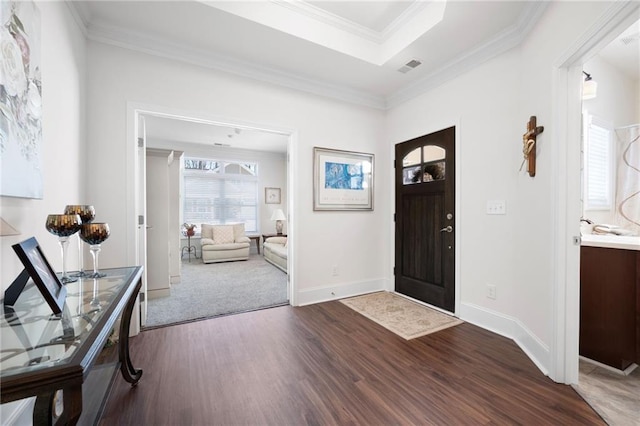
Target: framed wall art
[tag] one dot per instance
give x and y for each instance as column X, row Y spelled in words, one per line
column 272, row 196
column 342, row 180
column 21, row 101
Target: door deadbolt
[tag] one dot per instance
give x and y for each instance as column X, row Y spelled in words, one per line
column 449, row 216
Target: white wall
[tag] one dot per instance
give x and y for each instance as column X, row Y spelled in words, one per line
column 356, row 241
column 617, row 102
column 491, row 106
column 63, row 64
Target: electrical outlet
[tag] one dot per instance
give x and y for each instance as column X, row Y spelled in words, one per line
column 496, row 207
column 335, row 271
column 491, row 291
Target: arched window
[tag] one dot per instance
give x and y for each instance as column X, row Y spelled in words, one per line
column 423, row 165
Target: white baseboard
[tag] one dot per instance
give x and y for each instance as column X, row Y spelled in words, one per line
column 175, row 279
column 338, row 291
column 155, row 294
column 511, row 328
column 625, row 372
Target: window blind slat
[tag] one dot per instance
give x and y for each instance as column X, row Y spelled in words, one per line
column 598, row 167
column 218, row 198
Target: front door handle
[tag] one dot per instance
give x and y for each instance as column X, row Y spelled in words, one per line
column 447, row 229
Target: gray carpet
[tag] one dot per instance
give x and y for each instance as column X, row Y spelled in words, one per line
column 209, row 290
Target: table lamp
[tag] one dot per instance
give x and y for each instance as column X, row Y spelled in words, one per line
column 278, row 216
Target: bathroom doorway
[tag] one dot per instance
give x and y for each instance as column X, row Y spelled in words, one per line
column 609, row 350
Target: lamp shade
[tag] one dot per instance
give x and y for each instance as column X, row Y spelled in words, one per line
column 278, row 215
column 589, row 89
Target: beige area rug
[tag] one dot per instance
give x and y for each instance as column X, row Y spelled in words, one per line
column 405, row 318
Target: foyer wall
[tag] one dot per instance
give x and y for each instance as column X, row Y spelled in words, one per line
column 63, row 63
column 355, row 241
column 491, row 106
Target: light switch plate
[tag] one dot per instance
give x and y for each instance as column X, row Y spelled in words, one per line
column 496, row 207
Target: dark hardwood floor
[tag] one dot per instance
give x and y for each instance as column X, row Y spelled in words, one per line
column 327, row 365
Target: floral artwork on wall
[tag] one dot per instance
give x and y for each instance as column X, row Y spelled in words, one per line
column 20, row 100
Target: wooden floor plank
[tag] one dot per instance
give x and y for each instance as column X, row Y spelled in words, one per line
column 327, row 365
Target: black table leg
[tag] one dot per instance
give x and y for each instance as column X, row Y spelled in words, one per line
column 129, row 373
column 44, row 412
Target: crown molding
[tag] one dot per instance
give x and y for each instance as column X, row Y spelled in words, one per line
column 80, row 14
column 415, row 8
column 340, row 23
column 600, row 33
column 504, row 41
column 167, row 49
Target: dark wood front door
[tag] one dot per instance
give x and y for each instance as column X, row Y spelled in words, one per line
column 425, row 222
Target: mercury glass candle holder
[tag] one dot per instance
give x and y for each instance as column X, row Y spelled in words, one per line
column 87, row 214
column 63, row 226
column 95, row 234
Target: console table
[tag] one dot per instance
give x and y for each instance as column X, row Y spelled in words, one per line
column 52, row 356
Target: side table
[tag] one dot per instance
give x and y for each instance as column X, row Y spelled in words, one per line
column 190, row 249
column 255, row 238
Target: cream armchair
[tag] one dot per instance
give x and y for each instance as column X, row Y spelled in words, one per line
column 222, row 243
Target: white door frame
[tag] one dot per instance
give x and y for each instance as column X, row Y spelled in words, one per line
column 566, row 174
column 136, row 109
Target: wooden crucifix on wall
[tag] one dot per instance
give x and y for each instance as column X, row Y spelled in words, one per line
column 529, row 145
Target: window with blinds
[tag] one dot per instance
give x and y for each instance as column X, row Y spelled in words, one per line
column 220, row 192
column 598, row 165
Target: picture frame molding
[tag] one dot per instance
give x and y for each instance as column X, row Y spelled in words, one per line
column 320, row 192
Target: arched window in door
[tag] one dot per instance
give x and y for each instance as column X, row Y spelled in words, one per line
column 423, row 165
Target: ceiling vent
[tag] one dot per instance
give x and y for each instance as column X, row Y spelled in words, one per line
column 630, row 39
column 414, row 63
column 221, row 144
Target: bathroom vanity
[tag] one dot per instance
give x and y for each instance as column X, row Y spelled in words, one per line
column 610, row 300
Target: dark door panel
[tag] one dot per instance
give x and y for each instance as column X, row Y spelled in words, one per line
column 425, row 232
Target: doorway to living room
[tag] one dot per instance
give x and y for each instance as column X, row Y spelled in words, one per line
column 245, row 164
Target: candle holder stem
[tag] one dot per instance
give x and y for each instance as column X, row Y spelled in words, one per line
column 63, row 248
column 81, row 272
column 95, row 252
column 95, row 302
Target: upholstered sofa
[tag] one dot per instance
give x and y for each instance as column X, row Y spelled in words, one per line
column 275, row 252
column 222, row 243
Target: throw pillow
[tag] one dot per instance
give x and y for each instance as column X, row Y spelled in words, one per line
column 238, row 231
column 206, row 231
column 222, row 234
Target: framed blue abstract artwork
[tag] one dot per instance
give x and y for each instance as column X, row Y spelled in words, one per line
column 342, row 180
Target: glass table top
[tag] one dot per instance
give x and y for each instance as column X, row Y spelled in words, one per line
column 33, row 338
